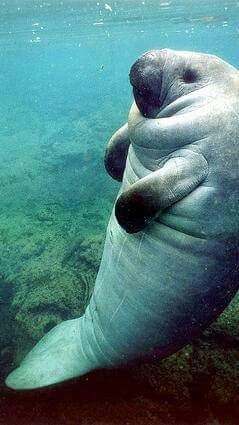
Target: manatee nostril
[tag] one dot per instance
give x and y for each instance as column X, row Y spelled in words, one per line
column 190, row 76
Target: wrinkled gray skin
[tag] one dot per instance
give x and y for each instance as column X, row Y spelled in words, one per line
column 169, row 266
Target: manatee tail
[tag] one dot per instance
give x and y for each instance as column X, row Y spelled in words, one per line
column 58, row 356
column 77, row 346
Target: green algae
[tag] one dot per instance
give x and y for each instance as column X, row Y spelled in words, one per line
column 203, row 378
column 52, row 221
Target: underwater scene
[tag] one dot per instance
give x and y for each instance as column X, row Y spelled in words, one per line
column 64, row 78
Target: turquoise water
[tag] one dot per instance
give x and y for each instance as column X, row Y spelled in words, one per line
column 64, row 91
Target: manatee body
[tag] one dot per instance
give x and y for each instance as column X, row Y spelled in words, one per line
column 169, row 265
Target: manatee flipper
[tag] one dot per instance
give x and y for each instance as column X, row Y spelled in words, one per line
column 116, row 153
column 179, row 176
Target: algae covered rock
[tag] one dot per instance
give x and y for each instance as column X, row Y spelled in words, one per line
column 46, row 297
column 7, row 331
column 203, row 378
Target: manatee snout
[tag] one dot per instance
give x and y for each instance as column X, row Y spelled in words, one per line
column 146, row 79
column 159, row 77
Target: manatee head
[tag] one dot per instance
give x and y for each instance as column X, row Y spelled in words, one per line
column 159, row 77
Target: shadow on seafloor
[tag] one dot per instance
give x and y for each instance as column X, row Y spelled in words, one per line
column 105, row 397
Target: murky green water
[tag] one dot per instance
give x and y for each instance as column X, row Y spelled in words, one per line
column 64, row 90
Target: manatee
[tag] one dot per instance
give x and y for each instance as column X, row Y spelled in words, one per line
column 169, row 265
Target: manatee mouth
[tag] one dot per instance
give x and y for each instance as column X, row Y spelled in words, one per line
column 146, row 80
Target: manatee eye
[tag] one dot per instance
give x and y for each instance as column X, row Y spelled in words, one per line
column 190, row 76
